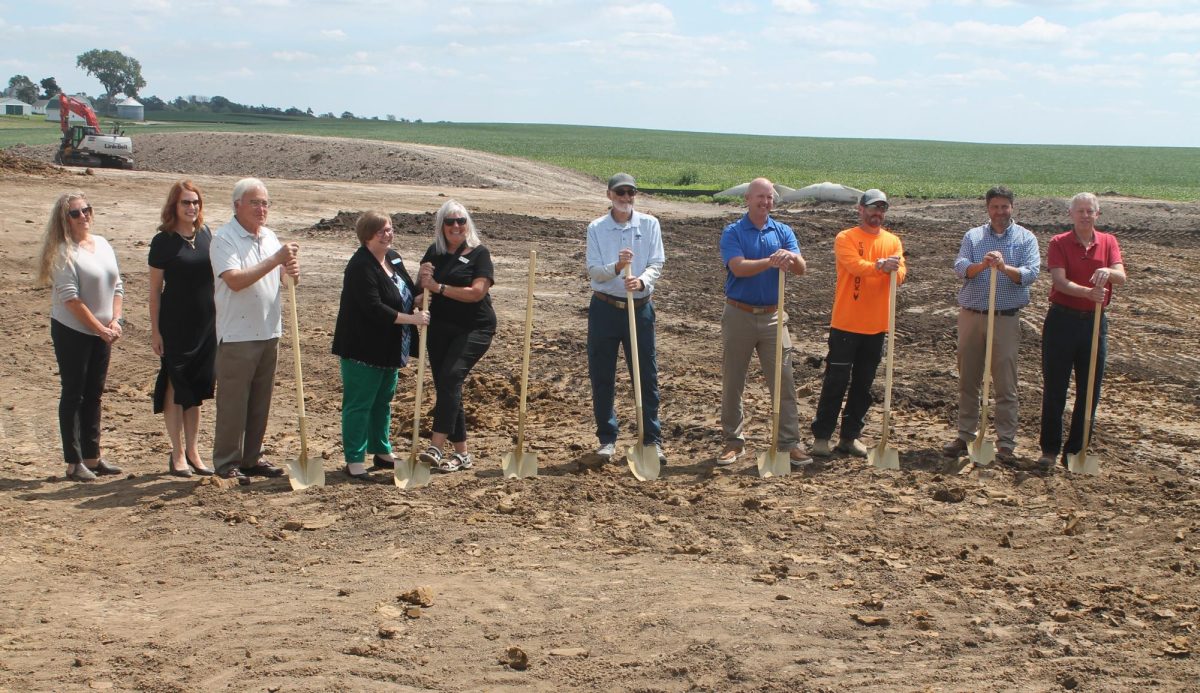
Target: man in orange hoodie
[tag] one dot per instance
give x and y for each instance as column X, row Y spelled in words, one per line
column 866, row 255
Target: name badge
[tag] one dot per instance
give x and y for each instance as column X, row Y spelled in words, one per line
column 397, row 261
column 463, row 259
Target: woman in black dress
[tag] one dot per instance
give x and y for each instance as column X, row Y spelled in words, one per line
column 183, row 323
column 458, row 270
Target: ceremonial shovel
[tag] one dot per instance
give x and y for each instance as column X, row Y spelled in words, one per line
column 642, row 458
column 302, row 473
column 772, row 462
column 412, row 472
column 983, row 451
column 1081, row 462
column 518, row 463
column 882, row 456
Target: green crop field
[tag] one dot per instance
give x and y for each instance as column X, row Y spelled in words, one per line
column 699, row 161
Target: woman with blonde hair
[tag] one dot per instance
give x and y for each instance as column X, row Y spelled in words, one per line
column 457, row 269
column 183, row 323
column 85, row 320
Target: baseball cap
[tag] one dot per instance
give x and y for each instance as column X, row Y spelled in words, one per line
column 621, row 179
column 872, row 197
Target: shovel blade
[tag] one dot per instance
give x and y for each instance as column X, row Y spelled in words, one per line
column 519, row 465
column 643, row 462
column 305, row 473
column 411, row 473
column 982, row 452
column 884, row 457
column 1080, row 463
column 774, row 463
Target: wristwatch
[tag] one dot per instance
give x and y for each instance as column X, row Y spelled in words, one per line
column 441, row 289
column 121, row 322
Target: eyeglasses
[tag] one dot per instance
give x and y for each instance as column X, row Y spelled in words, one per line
column 451, row 221
column 190, row 203
column 625, row 192
column 263, row 204
column 385, row 231
column 881, row 206
column 76, row 213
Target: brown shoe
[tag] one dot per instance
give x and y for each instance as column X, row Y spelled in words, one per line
column 1006, row 457
column 955, row 448
column 729, row 455
column 798, row 456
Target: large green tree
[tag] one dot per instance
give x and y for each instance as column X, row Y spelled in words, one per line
column 23, row 88
column 119, row 73
column 50, row 88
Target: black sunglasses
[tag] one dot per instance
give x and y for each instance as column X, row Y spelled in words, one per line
column 625, row 192
column 190, row 203
column 76, row 213
column 451, row 221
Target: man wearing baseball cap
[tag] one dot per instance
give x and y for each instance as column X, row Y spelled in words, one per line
column 623, row 238
column 866, row 255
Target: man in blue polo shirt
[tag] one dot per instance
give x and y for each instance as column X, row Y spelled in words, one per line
column 1010, row 249
column 755, row 249
column 623, row 238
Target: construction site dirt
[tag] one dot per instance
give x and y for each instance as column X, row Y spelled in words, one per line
column 934, row 577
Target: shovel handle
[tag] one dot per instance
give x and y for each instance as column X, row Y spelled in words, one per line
column 987, row 360
column 633, row 353
column 775, row 399
column 525, row 356
column 291, row 284
column 891, row 349
column 421, row 330
column 1091, row 384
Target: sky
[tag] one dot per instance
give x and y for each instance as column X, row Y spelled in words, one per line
column 1054, row 72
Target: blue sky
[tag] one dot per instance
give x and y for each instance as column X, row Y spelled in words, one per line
column 1059, row 71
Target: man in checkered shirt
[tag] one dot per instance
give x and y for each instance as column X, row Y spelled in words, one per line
column 1010, row 249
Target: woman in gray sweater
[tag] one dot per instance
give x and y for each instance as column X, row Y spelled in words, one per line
column 85, row 320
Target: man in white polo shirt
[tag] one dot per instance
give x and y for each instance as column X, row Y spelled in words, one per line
column 249, row 262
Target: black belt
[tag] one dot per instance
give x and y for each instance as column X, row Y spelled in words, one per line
column 1006, row 313
column 1071, row 312
column 620, row 302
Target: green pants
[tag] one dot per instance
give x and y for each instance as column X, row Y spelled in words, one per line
column 366, row 409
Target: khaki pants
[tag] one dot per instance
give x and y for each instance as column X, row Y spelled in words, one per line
column 245, row 381
column 972, row 343
column 742, row 334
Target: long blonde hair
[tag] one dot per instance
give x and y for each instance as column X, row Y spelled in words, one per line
column 57, row 239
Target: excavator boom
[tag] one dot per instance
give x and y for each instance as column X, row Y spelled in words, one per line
column 85, row 145
column 68, row 105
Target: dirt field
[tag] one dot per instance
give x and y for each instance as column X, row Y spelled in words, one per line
column 838, row 578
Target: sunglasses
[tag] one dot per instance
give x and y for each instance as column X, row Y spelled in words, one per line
column 625, row 192
column 76, row 213
column 451, row 221
column 190, row 203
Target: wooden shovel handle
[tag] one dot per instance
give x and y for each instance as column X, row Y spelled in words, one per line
column 291, row 284
column 775, row 399
column 422, row 330
column 891, row 349
column 525, row 356
column 987, row 359
column 633, row 353
column 1091, row 383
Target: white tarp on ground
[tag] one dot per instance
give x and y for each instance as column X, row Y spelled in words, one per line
column 740, row 191
column 824, row 192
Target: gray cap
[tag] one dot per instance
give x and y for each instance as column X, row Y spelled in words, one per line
column 871, row 197
column 621, row 179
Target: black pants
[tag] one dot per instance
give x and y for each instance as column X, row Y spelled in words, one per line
column 1067, row 349
column 82, row 367
column 852, row 361
column 452, row 355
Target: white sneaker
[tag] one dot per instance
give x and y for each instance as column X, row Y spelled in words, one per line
column 607, row 450
column 821, row 448
column 662, row 456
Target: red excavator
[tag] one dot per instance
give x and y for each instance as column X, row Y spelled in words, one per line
column 85, row 145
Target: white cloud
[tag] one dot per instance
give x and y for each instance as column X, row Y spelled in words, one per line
column 292, row 56
column 796, row 6
column 646, row 14
column 903, row 6
column 737, row 8
column 1143, row 27
column 1180, row 58
column 848, row 57
column 333, row 34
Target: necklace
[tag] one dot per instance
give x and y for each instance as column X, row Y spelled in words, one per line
column 191, row 240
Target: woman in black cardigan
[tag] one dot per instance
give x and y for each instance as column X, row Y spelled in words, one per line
column 374, row 336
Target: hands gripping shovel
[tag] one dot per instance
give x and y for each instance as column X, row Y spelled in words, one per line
column 643, row 459
column 518, row 463
column 412, row 472
column 772, row 462
column 882, row 456
column 982, row 451
column 1081, row 462
column 302, row 472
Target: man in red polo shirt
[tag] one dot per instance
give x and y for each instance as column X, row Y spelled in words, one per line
column 1084, row 265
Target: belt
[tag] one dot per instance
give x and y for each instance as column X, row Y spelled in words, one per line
column 620, row 302
column 753, row 310
column 1071, row 312
column 1006, row 313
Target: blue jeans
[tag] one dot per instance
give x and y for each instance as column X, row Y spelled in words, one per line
column 1067, row 347
column 608, row 330
column 852, row 362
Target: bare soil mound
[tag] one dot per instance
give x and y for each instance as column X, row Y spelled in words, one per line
column 334, row 158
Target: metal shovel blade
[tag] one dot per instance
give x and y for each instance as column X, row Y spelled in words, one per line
column 519, row 465
column 774, row 463
column 643, row 461
column 305, row 473
column 411, row 473
column 1082, row 463
column 982, row 452
column 883, row 457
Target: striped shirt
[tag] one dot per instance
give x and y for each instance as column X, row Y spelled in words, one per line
column 1018, row 246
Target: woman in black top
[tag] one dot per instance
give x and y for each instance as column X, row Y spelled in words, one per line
column 183, row 323
column 374, row 336
column 457, row 269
